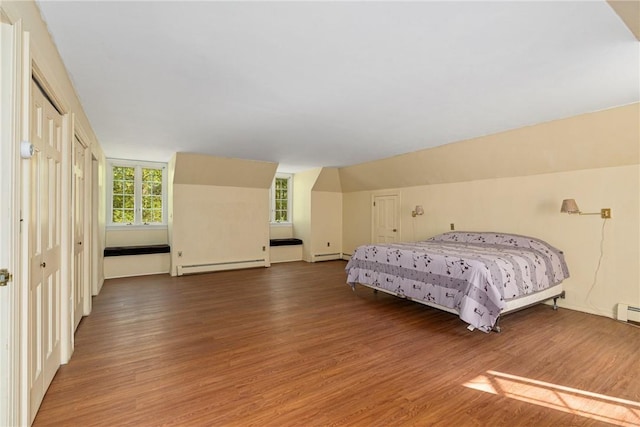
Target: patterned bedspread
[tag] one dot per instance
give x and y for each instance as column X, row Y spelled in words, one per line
column 473, row 273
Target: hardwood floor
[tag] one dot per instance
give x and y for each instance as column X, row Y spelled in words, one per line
column 292, row 345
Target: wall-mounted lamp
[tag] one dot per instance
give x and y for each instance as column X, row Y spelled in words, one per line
column 571, row 207
column 419, row 210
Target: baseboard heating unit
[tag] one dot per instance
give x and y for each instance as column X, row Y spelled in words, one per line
column 327, row 257
column 628, row 312
column 220, row 266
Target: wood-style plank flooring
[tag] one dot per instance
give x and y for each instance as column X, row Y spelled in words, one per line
column 293, row 345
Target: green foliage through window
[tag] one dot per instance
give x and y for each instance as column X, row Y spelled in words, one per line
column 281, row 200
column 137, row 195
column 123, row 195
column 151, row 196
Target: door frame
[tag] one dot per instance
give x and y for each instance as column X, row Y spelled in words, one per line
column 14, row 58
column 87, row 224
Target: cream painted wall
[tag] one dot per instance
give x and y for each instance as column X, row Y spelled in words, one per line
column 326, row 215
column 221, row 171
column 219, row 211
column 302, row 185
column 136, row 236
column 219, row 224
column 328, row 180
column 357, row 217
column 171, row 169
column 279, row 231
column 530, row 205
column 317, row 214
column 136, row 265
column 98, row 171
column 629, row 12
column 595, row 140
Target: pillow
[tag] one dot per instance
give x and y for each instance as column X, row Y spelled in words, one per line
column 504, row 239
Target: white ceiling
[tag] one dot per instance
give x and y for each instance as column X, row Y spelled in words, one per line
column 310, row 84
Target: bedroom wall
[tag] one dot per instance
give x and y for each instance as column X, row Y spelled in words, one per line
column 326, row 215
column 326, row 230
column 525, row 196
column 219, row 211
column 595, row 140
column 303, row 183
column 171, row 170
column 279, row 231
column 317, row 213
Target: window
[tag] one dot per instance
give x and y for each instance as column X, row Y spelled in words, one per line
column 137, row 193
column 281, row 198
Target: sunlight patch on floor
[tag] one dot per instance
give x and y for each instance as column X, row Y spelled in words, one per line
column 595, row 406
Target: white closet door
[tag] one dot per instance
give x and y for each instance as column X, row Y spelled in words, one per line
column 44, row 247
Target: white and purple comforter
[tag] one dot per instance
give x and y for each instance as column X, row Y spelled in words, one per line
column 473, row 273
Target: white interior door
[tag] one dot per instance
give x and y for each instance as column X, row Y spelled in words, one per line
column 386, row 214
column 80, row 284
column 44, row 312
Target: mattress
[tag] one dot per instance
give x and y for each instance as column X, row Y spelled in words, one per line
column 472, row 273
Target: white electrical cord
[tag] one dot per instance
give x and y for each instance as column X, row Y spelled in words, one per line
column 413, row 227
column 595, row 276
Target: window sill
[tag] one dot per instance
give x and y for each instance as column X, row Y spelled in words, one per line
column 281, row 224
column 118, row 227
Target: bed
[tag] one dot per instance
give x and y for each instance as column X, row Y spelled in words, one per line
column 477, row 275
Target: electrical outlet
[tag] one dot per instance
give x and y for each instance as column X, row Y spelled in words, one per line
column 453, row 226
column 179, row 254
column 264, row 248
column 328, row 244
column 605, row 213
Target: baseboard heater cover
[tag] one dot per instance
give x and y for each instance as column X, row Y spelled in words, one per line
column 628, row 312
column 219, row 266
column 327, row 257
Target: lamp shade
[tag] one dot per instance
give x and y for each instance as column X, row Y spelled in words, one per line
column 569, row 206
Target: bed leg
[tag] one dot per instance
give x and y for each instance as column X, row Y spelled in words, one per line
column 555, row 300
column 496, row 326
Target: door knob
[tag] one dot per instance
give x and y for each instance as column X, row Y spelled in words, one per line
column 79, row 243
column 43, row 264
column 395, row 229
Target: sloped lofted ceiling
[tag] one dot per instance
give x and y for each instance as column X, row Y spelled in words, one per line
column 310, row 84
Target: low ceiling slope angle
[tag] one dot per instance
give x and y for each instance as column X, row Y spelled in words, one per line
column 309, row 84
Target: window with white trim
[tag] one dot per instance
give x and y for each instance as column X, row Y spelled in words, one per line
column 136, row 193
column 281, row 192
